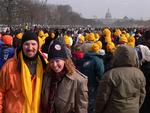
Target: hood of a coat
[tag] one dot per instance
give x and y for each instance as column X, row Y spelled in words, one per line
column 125, row 56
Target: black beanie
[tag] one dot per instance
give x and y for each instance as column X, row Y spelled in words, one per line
column 147, row 34
column 57, row 51
column 29, row 36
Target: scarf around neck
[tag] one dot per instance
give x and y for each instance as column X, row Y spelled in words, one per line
column 31, row 102
column 55, row 81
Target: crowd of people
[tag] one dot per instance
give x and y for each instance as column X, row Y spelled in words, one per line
column 75, row 70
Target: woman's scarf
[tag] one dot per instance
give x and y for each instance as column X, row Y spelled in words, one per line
column 32, row 102
column 56, row 79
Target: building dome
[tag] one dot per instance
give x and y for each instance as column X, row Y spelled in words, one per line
column 108, row 15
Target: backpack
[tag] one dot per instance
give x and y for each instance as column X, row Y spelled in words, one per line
column 6, row 52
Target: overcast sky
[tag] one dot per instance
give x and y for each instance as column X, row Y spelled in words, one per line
column 137, row 9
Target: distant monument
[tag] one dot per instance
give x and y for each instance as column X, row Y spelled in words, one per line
column 108, row 20
column 108, row 15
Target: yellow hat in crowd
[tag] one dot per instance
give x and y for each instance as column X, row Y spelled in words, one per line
column 117, row 32
column 100, row 44
column 131, row 44
column 41, row 41
column 107, row 32
column 91, row 37
column 97, row 36
column 66, row 36
column 67, row 40
column 123, row 39
column 41, row 33
column 46, row 35
column 42, row 37
column 95, row 47
column 131, row 41
column 110, row 47
column 81, row 39
column 108, row 39
column 127, row 35
column 86, row 36
column 19, row 35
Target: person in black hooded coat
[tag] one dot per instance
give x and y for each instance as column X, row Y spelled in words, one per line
column 146, row 70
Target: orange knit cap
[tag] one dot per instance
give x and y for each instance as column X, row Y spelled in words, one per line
column 7, row 39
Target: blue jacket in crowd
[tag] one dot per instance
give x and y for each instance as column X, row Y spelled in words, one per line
column 93, row 67
column 6, row 52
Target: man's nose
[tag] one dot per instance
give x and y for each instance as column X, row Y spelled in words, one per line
column 54, row 64
column 30, row 46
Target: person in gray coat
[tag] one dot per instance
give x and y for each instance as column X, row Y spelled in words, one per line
column 122, row 90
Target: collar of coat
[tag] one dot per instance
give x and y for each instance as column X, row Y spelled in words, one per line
column 73, row 76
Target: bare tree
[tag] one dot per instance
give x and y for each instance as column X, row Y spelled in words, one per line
column 14, row 12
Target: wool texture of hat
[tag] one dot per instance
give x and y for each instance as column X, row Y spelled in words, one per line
column 29, row 36
column 95, row 47
column 41, row 33
column 108, row 39
column 123, row 39
column 110, row 47
column 91, row 37
column 7, row 39
column 57, row 51
column 117, row 32
column 97, row 36
column 82, row 38
column 131, row 44
column 100, row 44
column 127, row 35
column 46, row 35
column 67, row 40
column 131, row 39
column 107, row 32
column 19, row 35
